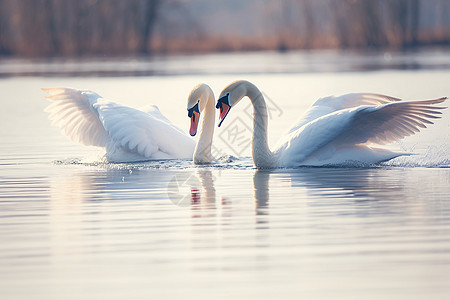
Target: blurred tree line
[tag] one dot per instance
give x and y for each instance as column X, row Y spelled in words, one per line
column 132, row 27
column 395, row 24
column 76, row 27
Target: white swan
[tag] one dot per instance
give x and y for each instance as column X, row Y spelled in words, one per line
column 335, row 130
column 130, row 134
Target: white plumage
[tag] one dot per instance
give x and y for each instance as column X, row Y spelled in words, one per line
column 346, row 128
column 128, row 134
column 336, row 130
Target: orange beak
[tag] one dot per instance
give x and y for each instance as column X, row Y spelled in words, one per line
column 223, row 104
column 224, row 109
column 194, row 114
column 194, row 123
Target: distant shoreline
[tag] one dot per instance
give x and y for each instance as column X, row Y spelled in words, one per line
column 256, row 62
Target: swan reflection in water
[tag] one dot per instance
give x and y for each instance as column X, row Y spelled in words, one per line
column 301, row 192
column 261, row 188
column 207, row 183
column 312, row 185
column 206, row 194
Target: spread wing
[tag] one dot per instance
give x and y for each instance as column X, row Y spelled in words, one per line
column 381, row 124
column 328, row 105
column 72, row 110
column 390, row 122
column 87, row 118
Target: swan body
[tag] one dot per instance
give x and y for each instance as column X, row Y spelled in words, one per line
column 334, row 130
column 127, row 134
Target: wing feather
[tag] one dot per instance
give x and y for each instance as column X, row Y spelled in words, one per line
column 72, row 110
column 362, row 125
column 331, row 104
column 390, row 122
column 143, row 133
column 87, row 118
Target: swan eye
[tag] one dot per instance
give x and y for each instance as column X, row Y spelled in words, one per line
column 192, row 110
column 223, row 100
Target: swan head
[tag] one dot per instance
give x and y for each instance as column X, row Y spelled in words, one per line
column 196, row 104
column 230, row 96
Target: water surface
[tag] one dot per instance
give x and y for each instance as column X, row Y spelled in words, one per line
column 74, row 227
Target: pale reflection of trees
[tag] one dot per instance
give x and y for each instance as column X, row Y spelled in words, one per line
column 67, row 197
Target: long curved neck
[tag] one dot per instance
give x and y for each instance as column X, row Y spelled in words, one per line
column 202, row 153
column 262, row 156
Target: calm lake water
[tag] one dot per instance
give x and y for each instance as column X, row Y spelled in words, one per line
column 72, row 227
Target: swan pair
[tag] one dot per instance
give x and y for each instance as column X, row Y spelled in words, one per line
column 333, row 131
